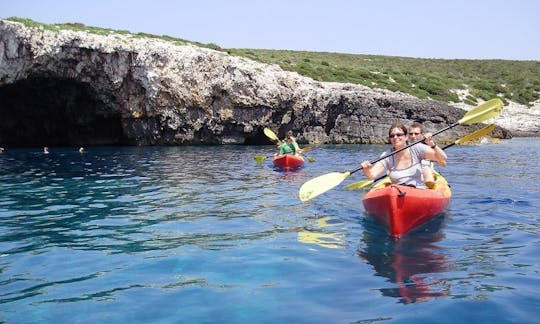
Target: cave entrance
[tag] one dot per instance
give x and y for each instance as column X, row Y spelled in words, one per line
column 56, row 112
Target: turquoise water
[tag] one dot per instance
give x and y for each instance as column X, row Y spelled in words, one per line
column 204, row 234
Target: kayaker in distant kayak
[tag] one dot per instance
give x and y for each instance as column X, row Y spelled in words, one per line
column 289, row 145
column 416, row 133
column 405, row 166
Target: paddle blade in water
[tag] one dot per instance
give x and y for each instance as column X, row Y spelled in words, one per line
column 320, row 185
column 489, row 109
column 271, row 135
column 259, row 158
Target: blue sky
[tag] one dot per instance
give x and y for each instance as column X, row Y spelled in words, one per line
column 461, row 29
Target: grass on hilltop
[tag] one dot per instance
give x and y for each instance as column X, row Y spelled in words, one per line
column 437, row 79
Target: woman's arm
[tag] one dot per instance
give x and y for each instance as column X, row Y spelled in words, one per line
column 372, row 171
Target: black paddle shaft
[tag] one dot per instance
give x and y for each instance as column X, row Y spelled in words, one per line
column 384, row 176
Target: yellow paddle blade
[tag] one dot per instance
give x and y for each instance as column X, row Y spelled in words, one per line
column 310, row 159
column 271, row 135
column 321, row 184
column 259, row 158
column 489, row 109
column 359, row 184
column 476, row 134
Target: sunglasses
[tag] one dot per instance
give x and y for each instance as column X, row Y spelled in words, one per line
column 396, row 135
column 415, row 134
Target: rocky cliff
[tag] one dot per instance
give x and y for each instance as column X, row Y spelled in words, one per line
column 77, row 88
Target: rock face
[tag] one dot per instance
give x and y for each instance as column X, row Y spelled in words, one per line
column 77, row 88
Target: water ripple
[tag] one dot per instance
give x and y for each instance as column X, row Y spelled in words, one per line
column 161, row 233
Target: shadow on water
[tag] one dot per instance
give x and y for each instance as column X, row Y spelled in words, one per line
column 410, row 262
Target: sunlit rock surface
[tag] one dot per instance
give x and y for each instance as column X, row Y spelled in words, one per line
column 77, row 88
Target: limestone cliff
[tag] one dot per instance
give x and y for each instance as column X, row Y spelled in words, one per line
column 77, row 88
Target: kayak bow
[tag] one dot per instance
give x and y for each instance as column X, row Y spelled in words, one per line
column 401, row 208
column 288, row 161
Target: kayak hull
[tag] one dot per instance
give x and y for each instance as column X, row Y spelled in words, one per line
column 402, row 208
column 288, row 161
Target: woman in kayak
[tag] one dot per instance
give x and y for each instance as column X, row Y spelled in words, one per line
column 405, row 166
column 289, row 145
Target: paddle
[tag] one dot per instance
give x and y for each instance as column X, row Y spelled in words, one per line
column 260, row 158
column 484, row 131
column 322, row 184
column 271, row 135
column 467, row 138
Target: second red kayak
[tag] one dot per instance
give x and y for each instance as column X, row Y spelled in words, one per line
column 401, row 208
column 288, row 161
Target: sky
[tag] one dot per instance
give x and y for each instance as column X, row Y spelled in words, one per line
column 449, row 29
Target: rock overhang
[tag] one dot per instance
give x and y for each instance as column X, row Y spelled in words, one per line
column 151, row 92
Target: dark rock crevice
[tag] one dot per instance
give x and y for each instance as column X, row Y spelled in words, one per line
column 41, row 111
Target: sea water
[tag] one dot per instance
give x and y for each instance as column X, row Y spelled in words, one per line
column 206, row 234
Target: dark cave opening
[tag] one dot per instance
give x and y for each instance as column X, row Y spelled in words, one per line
column 41, row 111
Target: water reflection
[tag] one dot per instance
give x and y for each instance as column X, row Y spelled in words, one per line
column 131, row 199
column 410, row 262
column 327, row 232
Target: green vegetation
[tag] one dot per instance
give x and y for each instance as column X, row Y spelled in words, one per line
column 101, row 31
column 437, row 79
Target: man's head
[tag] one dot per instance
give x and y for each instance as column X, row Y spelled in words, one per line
column 288, row 136
column 416, row 132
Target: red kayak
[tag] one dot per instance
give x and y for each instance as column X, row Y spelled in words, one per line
column 401, row 208
column 288, row 161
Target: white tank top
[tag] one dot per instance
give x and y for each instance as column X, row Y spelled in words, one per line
column 411, row 176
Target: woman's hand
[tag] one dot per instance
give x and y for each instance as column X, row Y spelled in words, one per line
column 366, row 168
column 372, row 170
column 366, row 165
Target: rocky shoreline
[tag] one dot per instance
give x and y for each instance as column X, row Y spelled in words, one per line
column 76, row 88
column 520, row 120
